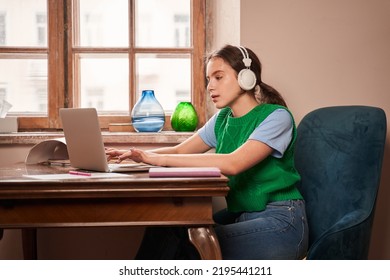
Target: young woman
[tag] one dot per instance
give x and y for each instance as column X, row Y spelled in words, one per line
column 253, row 135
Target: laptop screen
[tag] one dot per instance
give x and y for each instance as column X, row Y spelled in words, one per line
column 84, row 139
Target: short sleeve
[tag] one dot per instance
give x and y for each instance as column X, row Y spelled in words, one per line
column 275, row 131
column 207, row 132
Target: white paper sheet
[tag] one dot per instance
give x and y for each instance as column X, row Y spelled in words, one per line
column 48, row 149
column 94, row 175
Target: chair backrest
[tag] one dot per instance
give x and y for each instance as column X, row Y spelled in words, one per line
column 339, row 153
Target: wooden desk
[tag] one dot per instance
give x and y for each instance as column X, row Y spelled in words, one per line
column 132, row 201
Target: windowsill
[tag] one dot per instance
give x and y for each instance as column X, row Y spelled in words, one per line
column 164, row 137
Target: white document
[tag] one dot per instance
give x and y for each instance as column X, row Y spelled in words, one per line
column 46, row 150
column 66, row 176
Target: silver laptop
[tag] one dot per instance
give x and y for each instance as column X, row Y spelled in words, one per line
column 85, row 143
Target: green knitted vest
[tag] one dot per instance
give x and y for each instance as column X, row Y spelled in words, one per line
column 273, row 179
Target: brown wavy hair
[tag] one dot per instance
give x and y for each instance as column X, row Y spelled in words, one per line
column 233, row 56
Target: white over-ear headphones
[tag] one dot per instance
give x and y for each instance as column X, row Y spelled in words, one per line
column 246, row 77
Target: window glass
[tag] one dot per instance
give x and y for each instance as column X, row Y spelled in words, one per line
column 99, row 53
column 103, row 23
column 168, row 75
column 23, row 23
column 104, row 82
column 163, row 23
column 23, row 83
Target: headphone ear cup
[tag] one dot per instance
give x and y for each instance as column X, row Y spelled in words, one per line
column 246, row 79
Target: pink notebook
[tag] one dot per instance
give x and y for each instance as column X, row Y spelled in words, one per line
column 184, row 172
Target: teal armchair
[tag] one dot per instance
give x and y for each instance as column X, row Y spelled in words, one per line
column 339, row 153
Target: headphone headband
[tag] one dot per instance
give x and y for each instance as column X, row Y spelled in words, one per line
column 247, row 61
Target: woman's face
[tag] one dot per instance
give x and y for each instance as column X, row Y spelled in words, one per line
column 222, row 83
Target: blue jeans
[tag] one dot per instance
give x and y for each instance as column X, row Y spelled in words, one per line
column 278, row 232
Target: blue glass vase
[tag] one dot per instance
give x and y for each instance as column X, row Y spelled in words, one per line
column 148, row 114
column 184, row 118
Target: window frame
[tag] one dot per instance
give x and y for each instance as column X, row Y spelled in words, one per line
column 63, row 69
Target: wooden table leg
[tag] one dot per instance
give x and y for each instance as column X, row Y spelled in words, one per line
column 29, row 241
column 205, row 241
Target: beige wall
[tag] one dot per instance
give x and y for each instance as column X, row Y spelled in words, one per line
column 223, row 23
column 327, row 52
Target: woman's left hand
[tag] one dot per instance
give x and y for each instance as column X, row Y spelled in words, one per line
column 141, row 156
column 113, row 153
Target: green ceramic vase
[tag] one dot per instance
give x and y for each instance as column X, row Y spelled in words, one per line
column 184, row 118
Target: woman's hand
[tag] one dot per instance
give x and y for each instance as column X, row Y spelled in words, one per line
column 134, row 154
column 114, row 154
column 144, row 156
